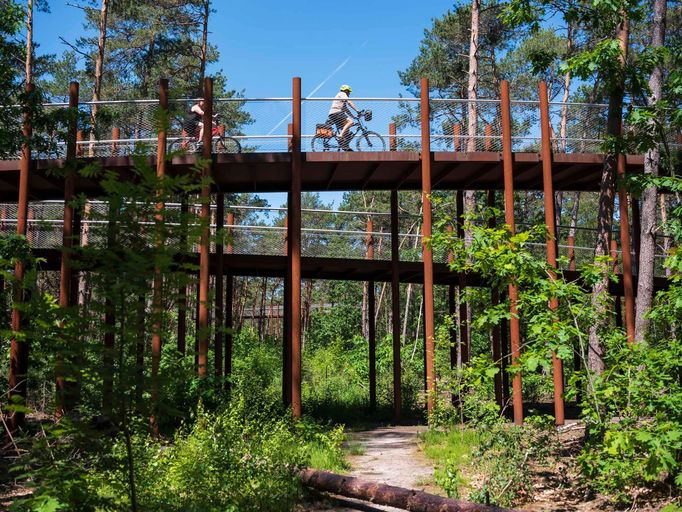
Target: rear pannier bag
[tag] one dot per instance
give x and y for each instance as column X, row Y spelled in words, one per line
column 323, row 130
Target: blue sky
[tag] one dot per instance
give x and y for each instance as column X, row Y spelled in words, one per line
column 264, row 43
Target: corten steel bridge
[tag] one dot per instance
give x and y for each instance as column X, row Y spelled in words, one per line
column 548, row 147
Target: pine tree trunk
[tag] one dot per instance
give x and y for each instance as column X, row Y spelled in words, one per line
column 472, row 87
column 595, row 356
column 99, row 69
column 29, row 42
column 652, row 159
column 204, row 44
column 567, row 88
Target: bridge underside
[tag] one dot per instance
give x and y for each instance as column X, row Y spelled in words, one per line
column 342, row 269
column 271, row 172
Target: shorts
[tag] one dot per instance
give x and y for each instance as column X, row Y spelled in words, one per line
column 339, row 119
column 190, row 125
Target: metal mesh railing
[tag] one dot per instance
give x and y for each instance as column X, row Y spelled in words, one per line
column 325, row 233
column 122, row 127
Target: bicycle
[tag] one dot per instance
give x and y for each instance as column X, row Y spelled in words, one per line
column 220, row 143
column 327, row 138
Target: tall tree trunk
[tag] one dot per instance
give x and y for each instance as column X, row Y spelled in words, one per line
column 472, row 87
column 99, row 68
column 567, row 88
column 204, row 43
column 652, row 159
column 666, row 240
column 595, row 356
column 29, row 42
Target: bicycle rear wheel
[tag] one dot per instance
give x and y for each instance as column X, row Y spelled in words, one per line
column 370, row 141
column 186, row 145
column 325, row 144
column 227, row 145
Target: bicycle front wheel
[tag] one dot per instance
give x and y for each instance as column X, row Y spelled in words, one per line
column 370, row 141
column 325, row 144
column 227, row 145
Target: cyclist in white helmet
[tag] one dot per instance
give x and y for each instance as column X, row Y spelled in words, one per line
column 339, row 113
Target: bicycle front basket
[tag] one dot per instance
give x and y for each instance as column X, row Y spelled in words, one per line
column 323, row 130
column 368, row 115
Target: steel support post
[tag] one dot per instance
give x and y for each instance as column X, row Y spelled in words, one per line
column 550, row 219
column 109, row 324
column 182, row 290
column 204, row 217
column 456, row 137
column 508, row 166
column 496, row 339
column 392, row 141
column 229, row 294
column 18, row 365
column 115, row 137
column 395, row 306
column 371, row 325
column 617, row 302
column 157, row 299
column 294, row 256
column 463, row 317
column 427, row 254
column 488, row 143
column 63, row 388
column 626, row 254
column 286, row 316
column 219, row 310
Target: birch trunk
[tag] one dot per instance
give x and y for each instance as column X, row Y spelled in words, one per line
column 567, row 88
column 652, row 159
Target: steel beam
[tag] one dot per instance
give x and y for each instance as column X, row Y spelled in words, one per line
column 508, row 164
column 204, row 218
column 550, row 243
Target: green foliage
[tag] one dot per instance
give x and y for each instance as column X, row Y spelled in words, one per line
column 635, row 420
column 507, row 452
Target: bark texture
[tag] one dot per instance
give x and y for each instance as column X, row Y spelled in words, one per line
column 652, row 159
column 382, row 494
column 595, row 356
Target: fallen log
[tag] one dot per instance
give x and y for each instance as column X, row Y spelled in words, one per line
column 389, row 495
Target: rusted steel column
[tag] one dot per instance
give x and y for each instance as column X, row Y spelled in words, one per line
column 548, row 188
column 229, row 293
column 395, row 306
column 115, row 136
column 109, row 326
column 488, row 144
column 182, row 291
column 392, row 140
column 204, row 217
column 290, row 132
column 157, row 298
column 571, row 252
column 371, row 327
column 79, row 146
column 456, row 136
column 617, row 304
column 514, row 328
column 636, row 232
column 18, row 368
column 452, row 309
column 29, row 226
column 64, row 402
column 427, row 254
column 286, row 315
column 626, row 255
column 496, row 339
column 219, row 261
column 463, row 317
column 294, row 256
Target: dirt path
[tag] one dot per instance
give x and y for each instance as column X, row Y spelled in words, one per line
column 391, row 455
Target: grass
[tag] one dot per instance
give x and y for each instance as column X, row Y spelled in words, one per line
column 451, row 452
column 321, row 456
column 354, row 448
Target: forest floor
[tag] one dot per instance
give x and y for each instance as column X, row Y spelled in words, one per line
column 393, row 455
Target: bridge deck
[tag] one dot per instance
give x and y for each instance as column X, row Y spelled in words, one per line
column 270, row 172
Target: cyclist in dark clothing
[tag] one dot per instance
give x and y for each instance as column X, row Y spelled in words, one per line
column 193, row 125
